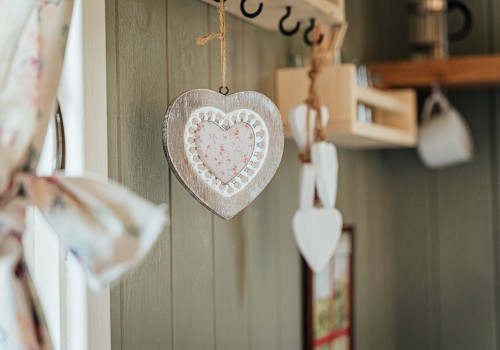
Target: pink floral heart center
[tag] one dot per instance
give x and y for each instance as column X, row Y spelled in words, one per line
column 225, row 152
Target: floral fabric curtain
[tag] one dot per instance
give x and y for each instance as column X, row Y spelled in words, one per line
column 108, row 228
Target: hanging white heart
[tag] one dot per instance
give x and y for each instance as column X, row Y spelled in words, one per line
column 223, row 149
column 325, row 159
column 297, row 118
column 307, row 186
column 317, row 232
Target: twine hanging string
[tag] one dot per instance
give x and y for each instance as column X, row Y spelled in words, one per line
column 312, row 101
column 221, row 35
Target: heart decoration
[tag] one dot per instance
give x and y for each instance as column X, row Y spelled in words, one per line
column 317, row 232
column 325, row 159
column 297, row 119
column 223, row 149
column 227, row 150
column 307, row 188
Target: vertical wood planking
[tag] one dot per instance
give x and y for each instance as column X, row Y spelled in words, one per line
column 95, row 106
column 433, row 260
column 230, row 248
column 363, row 203
column 290, row 264
column 356, row 45
column 135, row 142
column 379, row 259
column 412, row 207
column 346, row 202
column 476, row 42
column 259, row 219
column 387, row 256
column 260, row 229
column 496, row 208
column 495, row 120
column 350, row 170
column 192, row 244
column 495, row 158
column 362, row 254
column 114, row 162
column 231, row 285
column 285, row 197
column 466, row 244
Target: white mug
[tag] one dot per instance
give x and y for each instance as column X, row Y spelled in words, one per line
column 444, row 137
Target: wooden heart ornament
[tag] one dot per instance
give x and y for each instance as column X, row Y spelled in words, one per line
column 223, row 149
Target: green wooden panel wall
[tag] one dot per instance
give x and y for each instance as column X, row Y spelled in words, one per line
column 209, row 283
column 445, row 225
column 494, row 11
column 427, row 270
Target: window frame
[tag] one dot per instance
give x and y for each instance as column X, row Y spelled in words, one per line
column 79, row 319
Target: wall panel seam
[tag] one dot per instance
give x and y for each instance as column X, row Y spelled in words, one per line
column 495, row 148
column 279, row 252
column 214, row 272
column 170, row 195
column 434, row 259
column 170, row 175
column 495, row 207
column 117, row 118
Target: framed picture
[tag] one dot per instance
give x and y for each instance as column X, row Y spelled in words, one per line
column 329, row 300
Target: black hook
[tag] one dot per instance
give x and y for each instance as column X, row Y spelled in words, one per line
column 308, row 31
column 250, row 15
column 282, row 22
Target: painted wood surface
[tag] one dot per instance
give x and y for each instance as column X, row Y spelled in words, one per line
column 231, row 253
column 494, row 12
column 135, row 114
column 209, row 283
column 192, row 237
column 468, row 71
column 425, row 278
column 225, row 195
column 444, row 228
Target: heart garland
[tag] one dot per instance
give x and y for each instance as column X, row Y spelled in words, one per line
column 224, row 149
column 317, row 224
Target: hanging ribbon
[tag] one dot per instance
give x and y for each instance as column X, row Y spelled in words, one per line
column 221, row 35
column 108, row 228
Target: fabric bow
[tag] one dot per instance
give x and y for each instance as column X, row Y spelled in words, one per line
column 107, row 227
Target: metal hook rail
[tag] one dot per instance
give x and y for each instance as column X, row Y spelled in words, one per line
column 290, row 31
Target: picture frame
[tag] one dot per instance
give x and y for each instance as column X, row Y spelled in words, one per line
column 329, row 300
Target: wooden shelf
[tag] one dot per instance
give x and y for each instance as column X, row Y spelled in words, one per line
column 395, row 112
column 324, row 11
column 468, row 71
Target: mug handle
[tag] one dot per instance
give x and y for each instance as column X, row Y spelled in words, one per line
column 467, row 26
column 436, row 98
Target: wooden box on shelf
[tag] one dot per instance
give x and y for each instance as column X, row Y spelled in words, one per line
column 395, row 112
